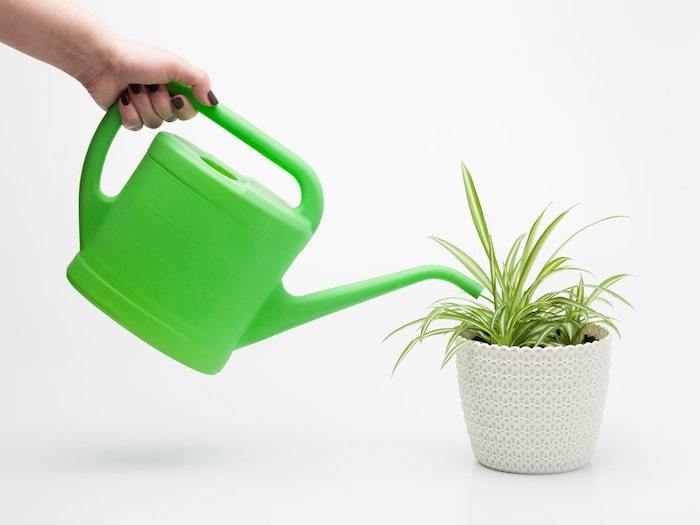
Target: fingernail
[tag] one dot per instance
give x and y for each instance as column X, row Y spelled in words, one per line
column 177, row 102
column 124, row 97
column 212, row 98
column 152, row 87
column 136, row 88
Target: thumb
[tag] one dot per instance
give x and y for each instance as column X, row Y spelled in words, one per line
column 190, row 75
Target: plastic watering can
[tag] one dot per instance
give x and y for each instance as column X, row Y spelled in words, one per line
column 190, row 255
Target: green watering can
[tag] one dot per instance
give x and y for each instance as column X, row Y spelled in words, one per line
column 190, row 255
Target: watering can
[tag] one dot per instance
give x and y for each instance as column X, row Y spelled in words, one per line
column 190, row 255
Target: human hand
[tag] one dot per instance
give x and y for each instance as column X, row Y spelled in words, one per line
column 136, row 74
column 110, row 67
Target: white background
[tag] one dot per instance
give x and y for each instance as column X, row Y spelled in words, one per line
column 591, row 102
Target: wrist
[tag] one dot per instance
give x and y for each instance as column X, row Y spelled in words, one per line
column 93, row 54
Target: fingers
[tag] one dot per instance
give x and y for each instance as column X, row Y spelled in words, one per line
column 197, row 79
column 150, row 105
column 160, row 100
column 142, row 102
column 130, row 117
column 182, row 107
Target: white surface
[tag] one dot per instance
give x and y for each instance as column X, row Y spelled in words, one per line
column 593, row 102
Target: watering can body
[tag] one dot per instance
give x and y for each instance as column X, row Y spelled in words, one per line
column 190, row 255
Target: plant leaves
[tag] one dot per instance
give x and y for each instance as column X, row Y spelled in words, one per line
column 516, row 314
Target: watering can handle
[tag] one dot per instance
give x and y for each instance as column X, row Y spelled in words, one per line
column 94, row 203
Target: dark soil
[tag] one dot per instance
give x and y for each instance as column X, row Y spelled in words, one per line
column 586, row 339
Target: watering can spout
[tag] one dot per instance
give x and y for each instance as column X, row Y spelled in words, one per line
column 283, row 311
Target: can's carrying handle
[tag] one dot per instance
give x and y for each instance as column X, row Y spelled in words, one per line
column 94, row 203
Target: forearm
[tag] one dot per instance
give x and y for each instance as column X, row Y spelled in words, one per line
column 58, row 32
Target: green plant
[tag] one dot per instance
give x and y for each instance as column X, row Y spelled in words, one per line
column 511, row 311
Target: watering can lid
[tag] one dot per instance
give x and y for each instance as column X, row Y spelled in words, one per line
column 241, row 198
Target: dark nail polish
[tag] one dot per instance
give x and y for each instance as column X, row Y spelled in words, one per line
column 124, row 97
column 212, row 98
column 152, row 87
column 136, row 88
column 177, row 102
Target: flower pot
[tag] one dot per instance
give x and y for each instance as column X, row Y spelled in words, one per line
column 534, row 410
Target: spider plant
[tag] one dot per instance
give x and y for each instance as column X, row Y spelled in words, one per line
column 512, row 310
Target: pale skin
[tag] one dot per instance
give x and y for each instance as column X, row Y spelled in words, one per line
column 111, row 67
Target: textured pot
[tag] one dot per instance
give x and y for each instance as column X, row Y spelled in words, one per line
column 534, row 410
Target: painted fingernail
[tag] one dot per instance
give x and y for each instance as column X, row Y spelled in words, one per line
column 124, row 97
column 177, row 102
column 136, row 88
column 212, row 98
column 152, row 88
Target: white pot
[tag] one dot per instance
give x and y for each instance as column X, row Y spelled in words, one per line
column 534, row 410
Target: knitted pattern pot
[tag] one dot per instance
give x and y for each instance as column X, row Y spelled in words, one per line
column 534, row 410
